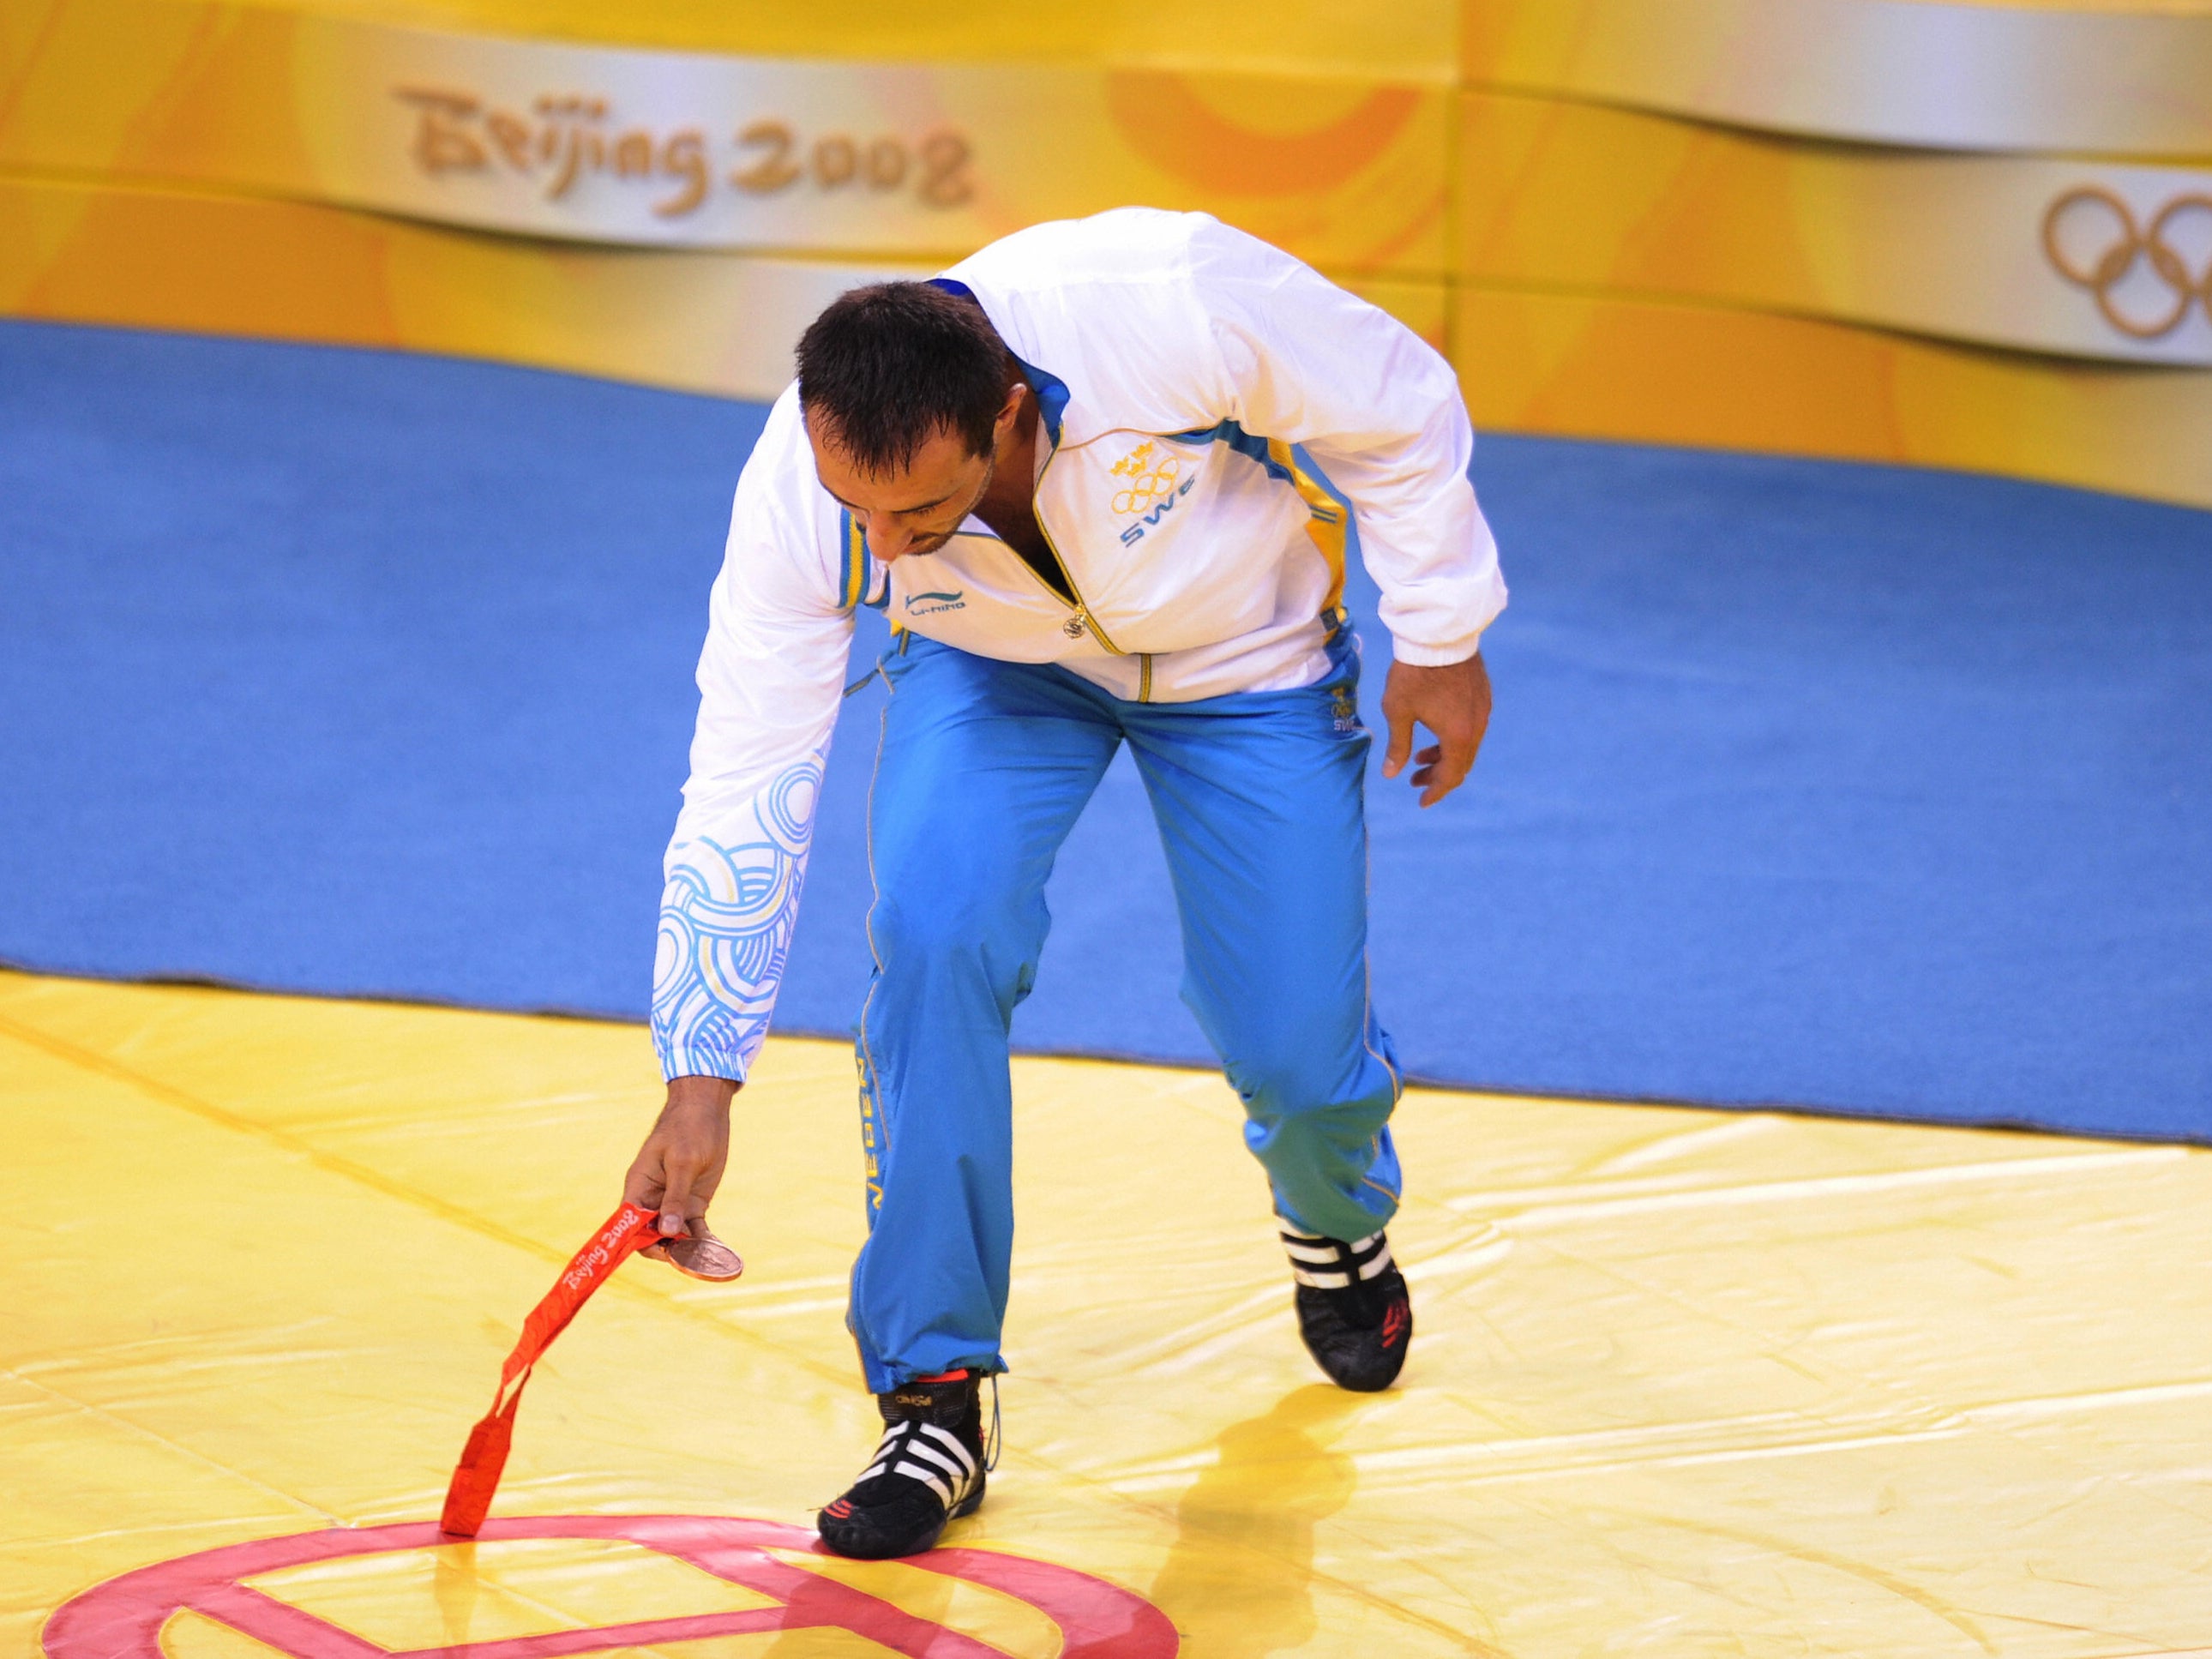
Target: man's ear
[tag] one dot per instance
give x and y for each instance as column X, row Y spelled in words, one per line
column 1011, row 410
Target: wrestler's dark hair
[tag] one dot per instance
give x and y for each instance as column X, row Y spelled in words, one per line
column 889, row 366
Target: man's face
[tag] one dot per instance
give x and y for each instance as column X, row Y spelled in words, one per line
column 916, row 510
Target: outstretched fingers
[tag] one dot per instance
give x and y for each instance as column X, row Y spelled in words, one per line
column 1452, row 701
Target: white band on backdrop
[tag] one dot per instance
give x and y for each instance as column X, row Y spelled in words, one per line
column 1938, row 77
column 2031, row 177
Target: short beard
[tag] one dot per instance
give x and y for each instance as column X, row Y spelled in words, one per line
column 937, row 544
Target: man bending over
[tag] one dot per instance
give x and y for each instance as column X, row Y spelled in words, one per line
column 1065, row 468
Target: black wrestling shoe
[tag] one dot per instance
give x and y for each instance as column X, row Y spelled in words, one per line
column 1353, row 1311
column 929, row 1469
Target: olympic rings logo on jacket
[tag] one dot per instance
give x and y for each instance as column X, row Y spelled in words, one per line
column 1148, row 483
column 2128, row 243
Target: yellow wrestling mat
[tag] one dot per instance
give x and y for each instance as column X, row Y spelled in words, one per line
column 1685, row 1383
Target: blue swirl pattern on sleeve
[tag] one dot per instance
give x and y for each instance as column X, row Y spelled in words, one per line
column 727, row 917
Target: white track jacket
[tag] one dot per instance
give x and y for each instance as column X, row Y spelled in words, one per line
column 1176, row 361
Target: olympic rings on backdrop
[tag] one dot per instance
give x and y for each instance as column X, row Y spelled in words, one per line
column 2129, row 243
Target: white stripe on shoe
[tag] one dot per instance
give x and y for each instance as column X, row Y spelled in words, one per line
column 921, row 1451
column 1331, row 1264
column 934, row 1456
column 951, row 1443
column 928, row 1477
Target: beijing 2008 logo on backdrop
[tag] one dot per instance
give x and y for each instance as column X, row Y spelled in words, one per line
column 123, row 1618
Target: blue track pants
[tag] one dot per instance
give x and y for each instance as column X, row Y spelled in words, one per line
column 982, row 771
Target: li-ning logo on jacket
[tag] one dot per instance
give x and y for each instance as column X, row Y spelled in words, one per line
column 1151, row 484
column 924, row 605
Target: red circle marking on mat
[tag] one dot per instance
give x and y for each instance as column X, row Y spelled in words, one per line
column 123, row 1618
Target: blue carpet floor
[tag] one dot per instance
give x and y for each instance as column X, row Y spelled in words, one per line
column 1846, row 787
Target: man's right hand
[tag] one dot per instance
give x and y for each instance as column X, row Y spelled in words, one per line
column 679, row 1166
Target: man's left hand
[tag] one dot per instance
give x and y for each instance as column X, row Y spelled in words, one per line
column 1454, row 703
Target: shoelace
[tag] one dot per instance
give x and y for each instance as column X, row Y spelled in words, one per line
column 924, row 1452
column 995, row 1442
column 1331, row 1264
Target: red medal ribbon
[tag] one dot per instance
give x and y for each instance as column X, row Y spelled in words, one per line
column 476, row 1477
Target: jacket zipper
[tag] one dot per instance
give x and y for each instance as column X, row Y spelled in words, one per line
column 1074, row 596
